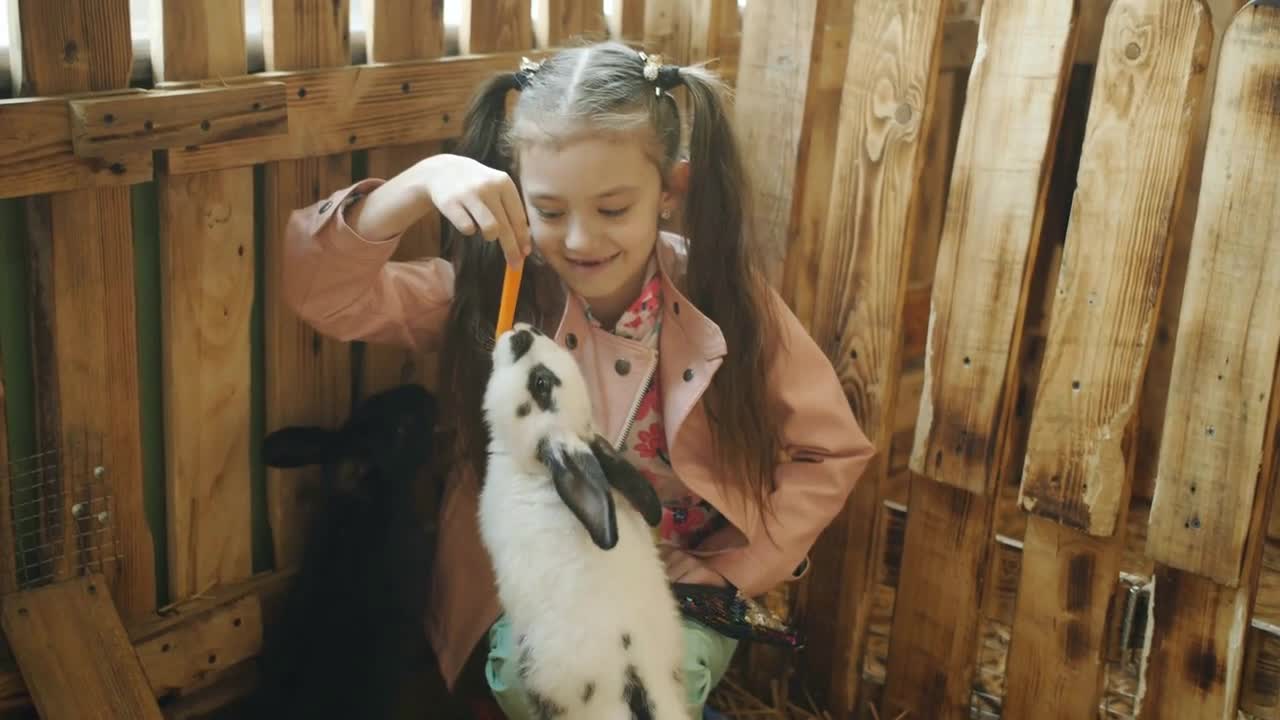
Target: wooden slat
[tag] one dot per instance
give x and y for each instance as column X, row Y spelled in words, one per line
column 209, row 644
column 197, row 40
column 188, row 648
column 69, row 46
column 562, row 22
column 389, row 41
column 1218, row 437
column 991, row 234
column 1156, row 381
column 935, row 619
column 403, row 30
column 107, row 127
column 1260, row 686
column 1151, row 72
column 990, row 237
column 715, row 34
column 85, row 329
column 786, row 109
column 74, row 654
column 37, row 155
column 490, row 25
column 627, row 21
column 336, row 110
column 207, row 283
column 1195, row 660
column 860, row 268
column 308, row 376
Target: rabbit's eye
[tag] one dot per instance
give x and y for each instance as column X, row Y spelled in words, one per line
column 542, row 385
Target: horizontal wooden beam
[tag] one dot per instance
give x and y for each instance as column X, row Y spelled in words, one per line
column 340, row 109
column 186, row 643
column 139, row 122
column 37, row 155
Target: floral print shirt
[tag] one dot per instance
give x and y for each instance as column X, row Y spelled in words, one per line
column 686, row 518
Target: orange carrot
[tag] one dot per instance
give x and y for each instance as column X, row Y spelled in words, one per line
column 510, row 289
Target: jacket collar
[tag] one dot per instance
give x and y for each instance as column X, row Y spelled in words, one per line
column 700, row 336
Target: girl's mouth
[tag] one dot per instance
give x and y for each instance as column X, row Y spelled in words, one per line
column 592, row 264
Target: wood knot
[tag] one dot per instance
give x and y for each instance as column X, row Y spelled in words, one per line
column 1132, row 51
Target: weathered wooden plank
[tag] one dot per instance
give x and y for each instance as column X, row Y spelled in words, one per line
column 356, row 107
column 207, row 644
column 382, row 366
column 108, row 127
column 187, row 648
column 627, row 21
column 207, row 282
column 74, row 654
column 197, row 40
column 787, row 108
column 1218, row 436
column 935, row 618
column 1100, row 327
column 1196, row 656
column 308, row 376
column 303, row 34
column 37, row 155
column 69, row 46
column 859, row 264
column 562, row 22
column 1156, row 381
column 403, row 30
column 489, row 25
column 991, row 234
column 85, row 330
column 1151, row 71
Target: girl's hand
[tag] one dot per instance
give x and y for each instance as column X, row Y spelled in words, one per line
column 685, row 568
column 478, row 199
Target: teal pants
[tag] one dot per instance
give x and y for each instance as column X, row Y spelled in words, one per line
column 706, row 657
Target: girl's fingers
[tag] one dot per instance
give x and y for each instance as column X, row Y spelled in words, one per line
column 456, row 214
column 495, row 227
column 510, row 198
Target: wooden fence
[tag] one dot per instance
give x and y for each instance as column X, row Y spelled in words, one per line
column 1025, row 232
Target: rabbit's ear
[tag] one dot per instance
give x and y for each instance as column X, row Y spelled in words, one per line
column 582, row 486
column 299, row 446
column 626, row 479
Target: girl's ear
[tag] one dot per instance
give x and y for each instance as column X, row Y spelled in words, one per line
column 677, row 184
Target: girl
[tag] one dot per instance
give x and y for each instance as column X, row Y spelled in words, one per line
column 722, row 400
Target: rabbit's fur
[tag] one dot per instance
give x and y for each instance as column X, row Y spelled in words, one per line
column 350, row 640
column 566, row 521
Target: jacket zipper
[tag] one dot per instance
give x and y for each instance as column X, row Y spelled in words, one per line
column 635, row 408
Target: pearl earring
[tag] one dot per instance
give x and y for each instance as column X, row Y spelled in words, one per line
column 666, row 214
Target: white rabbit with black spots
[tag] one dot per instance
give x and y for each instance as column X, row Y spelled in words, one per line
column 566, row 522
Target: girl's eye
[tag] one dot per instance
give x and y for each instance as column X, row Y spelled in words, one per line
column 548, row 214
column 612, row 212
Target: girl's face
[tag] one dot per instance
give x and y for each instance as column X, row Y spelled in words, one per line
column 593, row 207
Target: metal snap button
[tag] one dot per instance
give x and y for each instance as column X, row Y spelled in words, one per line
column 688, row 374
column 325, row 207
column 571, row 341
column 622, row 366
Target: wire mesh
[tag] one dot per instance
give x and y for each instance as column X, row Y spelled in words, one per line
column 62, row 513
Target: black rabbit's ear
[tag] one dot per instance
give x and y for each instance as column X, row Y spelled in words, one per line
column 626, row 479
column 299, row 446
column 583, row 487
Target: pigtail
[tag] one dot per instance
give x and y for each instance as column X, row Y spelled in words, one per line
column 727, row 283
column 465, row 361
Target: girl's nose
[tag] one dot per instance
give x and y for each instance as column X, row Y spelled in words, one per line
column 578, row 237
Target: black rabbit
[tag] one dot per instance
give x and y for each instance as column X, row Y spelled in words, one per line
column 350, row 640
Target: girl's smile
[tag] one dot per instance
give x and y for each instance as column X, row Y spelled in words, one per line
column 593, row 207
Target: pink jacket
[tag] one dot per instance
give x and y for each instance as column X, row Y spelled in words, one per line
column 346, row 287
